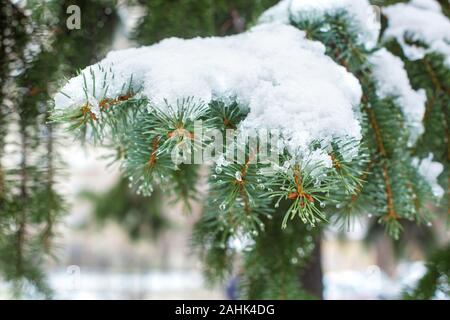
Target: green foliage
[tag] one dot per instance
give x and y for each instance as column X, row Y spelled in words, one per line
column 268, row 261
column 30, row 203
column 27, row 182
column 253, row 201
column 431, row 74
column 242, row 196
column 392, row 191
column 271, row 269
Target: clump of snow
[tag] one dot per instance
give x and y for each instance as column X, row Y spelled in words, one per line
column 431, row 5
column 241, row 241
column 420, row 20
column 392, row 81
column 364, row 16
column 430, row 170
column 278, row 13
column 286, row 81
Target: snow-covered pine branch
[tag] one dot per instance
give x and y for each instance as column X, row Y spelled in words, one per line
column 392, row 111
column 345, row 149
column 271, row 75
column 392, row 82
column 419, row 33
column 271, row 70
column 420, row 28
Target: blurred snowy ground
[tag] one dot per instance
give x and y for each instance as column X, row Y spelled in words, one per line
column 75, row 283
column 371, row 283
column 151, row 285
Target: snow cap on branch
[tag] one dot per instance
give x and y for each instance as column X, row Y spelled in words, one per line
column 419, row 20
column 392, row 81
column 286, row 81
column 360, row 11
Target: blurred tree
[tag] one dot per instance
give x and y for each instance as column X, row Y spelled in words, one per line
column 20, row 248
column 141, row 217
column 193, row 18
column 38, row 50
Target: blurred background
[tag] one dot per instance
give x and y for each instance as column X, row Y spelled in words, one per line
column 111, row 243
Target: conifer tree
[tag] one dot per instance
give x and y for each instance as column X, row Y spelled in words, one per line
column 165, row 19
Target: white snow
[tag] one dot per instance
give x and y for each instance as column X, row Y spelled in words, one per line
column 430, row 170
column 286, row 81
column 278, row 13
column 364, row 15
column 392, row 81
column 419, row 20
column 431, row 5
column 241, row 241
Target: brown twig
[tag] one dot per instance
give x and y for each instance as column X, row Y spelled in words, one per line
column 151, row 162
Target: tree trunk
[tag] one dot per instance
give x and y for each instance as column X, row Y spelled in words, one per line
column 311, row 275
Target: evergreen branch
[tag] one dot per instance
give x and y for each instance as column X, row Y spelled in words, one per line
column 376, row 129
column 391, row 213
column 390, row 202
column 340, row 38
column 300, row 184
column 434, row 78
column 363, row 177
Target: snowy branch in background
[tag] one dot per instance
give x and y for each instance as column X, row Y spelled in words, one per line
column 420, row 28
